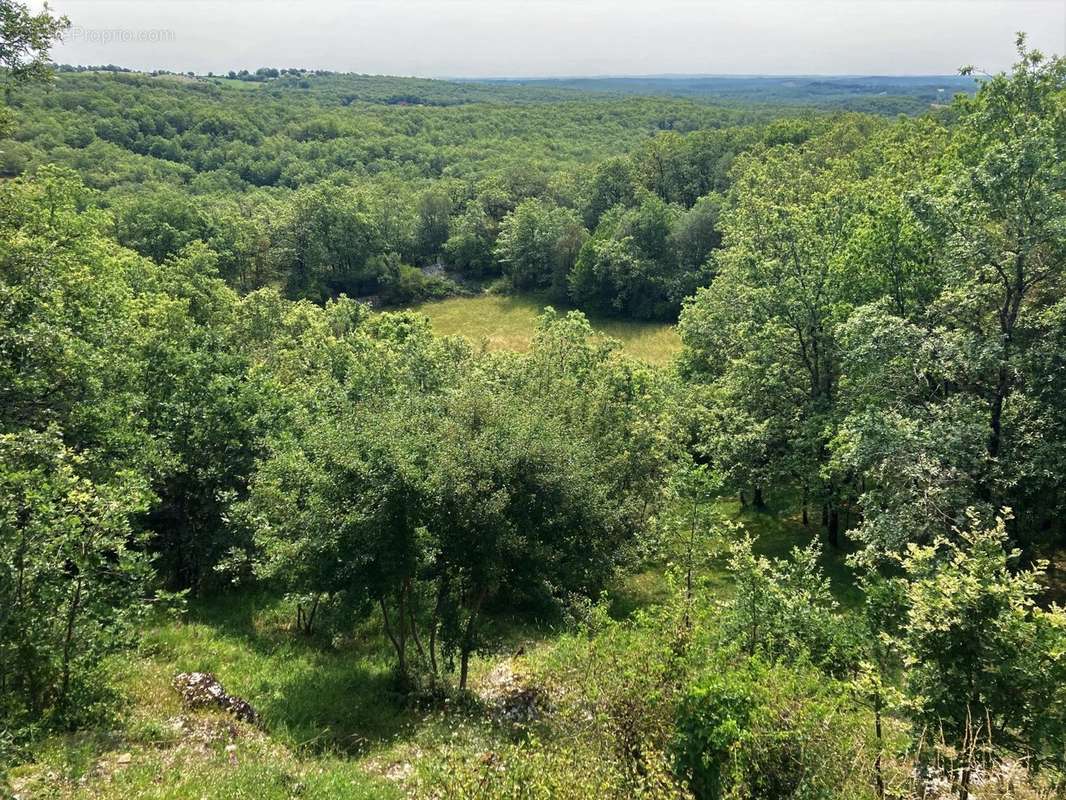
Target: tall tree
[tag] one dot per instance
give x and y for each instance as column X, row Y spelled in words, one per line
column 954, row 404
column 25, row 39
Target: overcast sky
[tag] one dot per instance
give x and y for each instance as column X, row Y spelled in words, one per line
column 550, row 37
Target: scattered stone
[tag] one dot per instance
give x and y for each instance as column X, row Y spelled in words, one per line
column 124, row 759
column 510, row 695
column 399, row 772
column 203, row 690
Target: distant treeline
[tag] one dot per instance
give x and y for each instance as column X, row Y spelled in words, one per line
column 892, row 94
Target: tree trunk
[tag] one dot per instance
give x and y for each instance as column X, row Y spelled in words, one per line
column 878, row 774
column 401, row 622
column 996, row 422
column 310, row 618
column 757, row 498
column 964, row 783
column 806, row 519
column 464, row 668
column 834, row 526
column 468, row 640
column 414, row 626
column 1008, row 318
column 433, row 625
column 68, row 638
column 401, row 656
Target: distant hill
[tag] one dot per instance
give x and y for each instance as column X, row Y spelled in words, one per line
column 878, row 94
column 873, row 93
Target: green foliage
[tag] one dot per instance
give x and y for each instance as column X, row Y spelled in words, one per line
column 537, row 246
column 25, row 38
column 470, row 243
column 982, row 660
column 783, row 608
column 763, row 334
column 73, row 578
column 534, row 769
column 199, row 408
column 873, row 323
column 119, row 400
column 327, row 242
column 463, row 481
column 758, row 730
column 696, row 235
column 628, row 266
column 401, row 284
column 612, row 185
column 431, row 227
column 290, row 188
column 160, row 223
column 612, row 687
column 869, row 333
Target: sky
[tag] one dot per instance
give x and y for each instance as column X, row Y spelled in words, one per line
column 524, row 38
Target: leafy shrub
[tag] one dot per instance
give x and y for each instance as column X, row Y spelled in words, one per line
column 981, row 658
column 403, row 284
column 768, row 731
column 784, row 608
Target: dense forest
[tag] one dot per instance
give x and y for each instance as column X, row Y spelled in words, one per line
column 342, row 184
column 877, row 94
column 817, row 555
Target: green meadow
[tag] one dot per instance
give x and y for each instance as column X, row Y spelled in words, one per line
column 507, row 322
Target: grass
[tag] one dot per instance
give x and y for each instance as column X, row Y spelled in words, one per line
column 234, row 83
column 507, row 322
column 213, row 758
column 777, row 529
column 301, row 686
column 332, row 726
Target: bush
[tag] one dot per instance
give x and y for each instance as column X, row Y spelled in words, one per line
column 769, row 731
column 407, row 284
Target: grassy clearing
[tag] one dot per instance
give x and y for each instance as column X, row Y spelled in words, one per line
column 205, row 756
column 234, row 83
column 777, row 529
column 332, row 725
column 505, row 322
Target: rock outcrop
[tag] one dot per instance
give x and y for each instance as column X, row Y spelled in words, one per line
column 203, row 690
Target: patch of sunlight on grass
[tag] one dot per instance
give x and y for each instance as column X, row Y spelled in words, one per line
column 779, row 528
column 507, row 322
column 776, row 529
column 326, row 705
column 312, row 693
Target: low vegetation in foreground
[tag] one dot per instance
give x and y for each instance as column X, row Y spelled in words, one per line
column 612, row 701
column 799, row 552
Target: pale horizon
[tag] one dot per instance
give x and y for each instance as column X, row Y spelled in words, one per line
column 472, row 39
